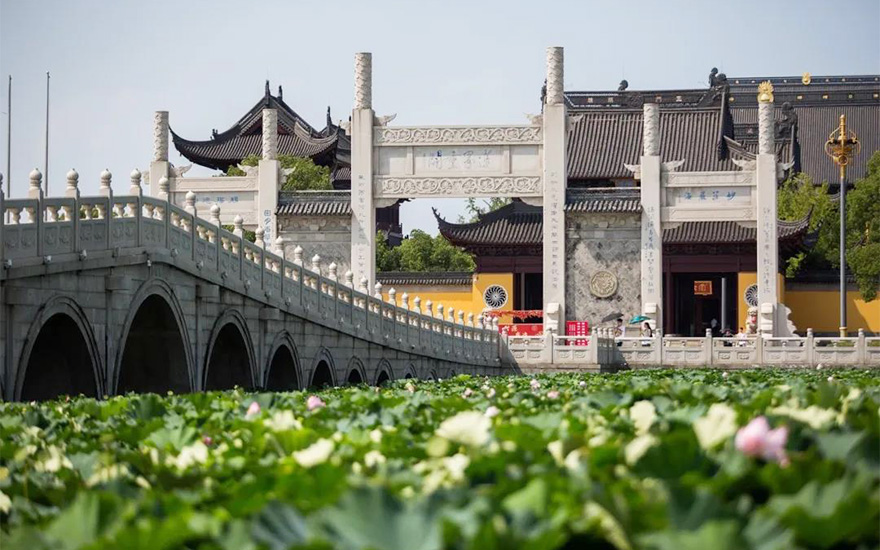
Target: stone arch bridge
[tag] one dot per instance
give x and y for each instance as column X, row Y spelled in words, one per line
column 109, row 294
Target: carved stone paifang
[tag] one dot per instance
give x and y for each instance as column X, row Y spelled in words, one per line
column 487, row 186
column 270, row 134
column 458, row 135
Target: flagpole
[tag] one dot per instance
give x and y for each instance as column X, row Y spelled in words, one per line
column 46, row 161
column 9, row 141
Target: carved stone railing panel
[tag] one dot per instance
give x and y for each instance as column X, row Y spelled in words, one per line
column 457, row 187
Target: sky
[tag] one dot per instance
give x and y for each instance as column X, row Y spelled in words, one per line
column 114, row 62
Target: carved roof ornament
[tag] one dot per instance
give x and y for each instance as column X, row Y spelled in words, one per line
column 806, row 79
column 623, row 86
column 765, row 92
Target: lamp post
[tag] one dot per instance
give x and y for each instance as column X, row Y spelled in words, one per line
column 842, row 146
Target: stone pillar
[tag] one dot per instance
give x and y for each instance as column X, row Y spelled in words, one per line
column 652, row 231
column 765, row 178
column 363, row 211
column 269, row 176
column 159, row 167
column 555, row 177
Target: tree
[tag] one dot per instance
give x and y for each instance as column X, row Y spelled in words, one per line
column 863, row 230
column 423, row 253
column 795, row 199
column 305, row 175
column 474, row 209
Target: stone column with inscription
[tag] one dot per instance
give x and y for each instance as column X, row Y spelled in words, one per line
column 765, row 176
column 269, row 176
column 555, row 177
column 159, row 166
column 652, row 231
column 363, row 211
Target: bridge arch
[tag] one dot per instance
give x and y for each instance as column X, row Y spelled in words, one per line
column 230, row 359
column 357, row 374
column 323, row 370
column 432, row 375
column 283, row 370
column 384, row 373
column 154, row 353
column 60, row 354
column 410, row 371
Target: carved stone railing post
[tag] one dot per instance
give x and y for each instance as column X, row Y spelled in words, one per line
column 651, row 193
column 238, row 226
column 105, row 189
column 417, row 305
column 349, row 279
column 766, row 183
column 298, row 255
column 279, row 247
column 35, row 179
column 429, row 309
column 332, row 270
column 392, row 296
column 164, row 188
column 259, row 242
column 72, row 189
column 404, row 301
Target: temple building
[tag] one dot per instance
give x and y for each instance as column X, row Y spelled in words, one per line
column 302, row 213
column 709, row 267
column 666, row 207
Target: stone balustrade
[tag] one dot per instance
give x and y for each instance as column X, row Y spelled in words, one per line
column 601, row 348
column 67, row 231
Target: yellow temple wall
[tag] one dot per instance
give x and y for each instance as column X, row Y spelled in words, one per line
column 816, row 306
column 461, row 298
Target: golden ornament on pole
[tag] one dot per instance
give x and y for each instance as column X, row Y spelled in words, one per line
column 765, row 92
column 806, row 78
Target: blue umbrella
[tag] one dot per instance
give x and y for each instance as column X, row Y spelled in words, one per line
column 638, row 319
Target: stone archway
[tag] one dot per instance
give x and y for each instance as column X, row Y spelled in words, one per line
column 356, row 372
column 153, row 350
column 230, row 358
column 323, row 373
column 60, row 355
column 384, row 374
column 284, row 373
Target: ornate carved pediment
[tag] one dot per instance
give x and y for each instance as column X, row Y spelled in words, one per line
column 458, row 135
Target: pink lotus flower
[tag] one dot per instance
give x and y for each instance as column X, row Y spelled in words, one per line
column 757, row 440
column 581, row 384
column 314, row 402
column 254, row 409
column 207, row 440
column 491, row 393
column 467, row 393
column 534, row 384
column 552, row 394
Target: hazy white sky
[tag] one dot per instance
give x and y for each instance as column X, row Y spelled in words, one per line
column 468, row 62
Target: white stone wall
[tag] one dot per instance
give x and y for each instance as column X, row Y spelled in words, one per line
column 602, row 242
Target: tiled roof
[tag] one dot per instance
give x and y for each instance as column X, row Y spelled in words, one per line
column 728, row 232
column 603, row 141
column 694, row 123
column 314, row 203
column 295, row 137
column 603, row 200
column 520, row 224
column 414, row 278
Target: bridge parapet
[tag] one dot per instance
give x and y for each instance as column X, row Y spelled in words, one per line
column 41, row 235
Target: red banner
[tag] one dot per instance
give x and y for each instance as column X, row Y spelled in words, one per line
column 577, row 328
column 523, row 329
column 702, row 288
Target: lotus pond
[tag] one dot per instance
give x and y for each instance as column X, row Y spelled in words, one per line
column 665, row 460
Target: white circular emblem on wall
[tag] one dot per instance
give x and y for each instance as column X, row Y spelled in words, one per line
column 495, row 296
column 751, row 295
column 603, row 284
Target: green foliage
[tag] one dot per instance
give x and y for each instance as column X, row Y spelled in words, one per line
column 473, row 209
column 305, row 175
column 797, row 196
column 421, row 252
column 419, row 465
column 863, row 230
